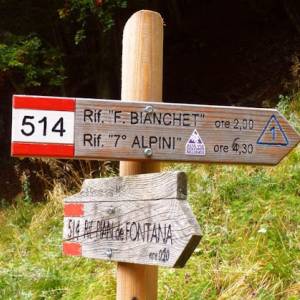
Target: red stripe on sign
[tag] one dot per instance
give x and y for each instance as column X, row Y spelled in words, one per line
column 73, row 210
column 73, row 249
column 44, row 103
column 42, row 150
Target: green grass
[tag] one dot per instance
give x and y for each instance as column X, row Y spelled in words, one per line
column 251, row 245
column 250, row 218
column 31, row 264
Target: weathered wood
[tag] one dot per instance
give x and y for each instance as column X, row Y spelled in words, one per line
column 107, row 129
column 226, row 134
column 154, row 230
column 167, row 185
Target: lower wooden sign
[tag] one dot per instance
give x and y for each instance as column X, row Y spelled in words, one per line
column 142, row 219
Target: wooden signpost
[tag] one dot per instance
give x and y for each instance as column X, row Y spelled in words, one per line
column 142, row 72
column 142, row 219
column 107, row 129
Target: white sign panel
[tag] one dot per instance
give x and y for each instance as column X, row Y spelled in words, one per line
column 43, row 126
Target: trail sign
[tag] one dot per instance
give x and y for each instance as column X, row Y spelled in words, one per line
column 141, row 219
column 106, row 129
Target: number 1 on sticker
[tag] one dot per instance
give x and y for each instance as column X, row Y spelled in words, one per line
column 272, row 129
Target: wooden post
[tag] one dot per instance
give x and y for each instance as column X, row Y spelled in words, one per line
column 141, row 81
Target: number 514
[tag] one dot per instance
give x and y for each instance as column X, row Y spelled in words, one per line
column 29, row 126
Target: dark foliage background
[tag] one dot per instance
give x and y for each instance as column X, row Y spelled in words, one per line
column 234, row 52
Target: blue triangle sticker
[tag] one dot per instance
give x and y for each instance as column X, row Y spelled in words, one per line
column 273, row 134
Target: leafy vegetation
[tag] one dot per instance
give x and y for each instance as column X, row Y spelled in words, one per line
column 250, row 248
column 249, row 215
column 82, row 11
column 215, row 53
column 28, row 63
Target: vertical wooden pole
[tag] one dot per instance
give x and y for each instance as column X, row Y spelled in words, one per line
column 141, row 81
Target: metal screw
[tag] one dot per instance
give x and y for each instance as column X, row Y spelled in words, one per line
column 111, row 210
column 149, row 109
column 148, row 152
column 109, row 253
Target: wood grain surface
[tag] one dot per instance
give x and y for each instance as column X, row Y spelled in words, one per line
column 142, row 58
column 227, row 134
column 152, row 131
column 158, row 229
column 165, row 185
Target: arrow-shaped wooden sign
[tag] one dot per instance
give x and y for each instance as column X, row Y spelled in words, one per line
column 107, row 129
column 143, row 219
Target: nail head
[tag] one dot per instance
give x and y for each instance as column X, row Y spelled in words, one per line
column 149, row 109
column 148, row 152
column 109, row 253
